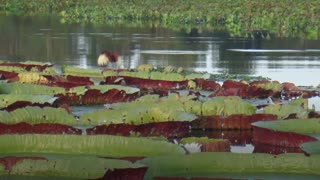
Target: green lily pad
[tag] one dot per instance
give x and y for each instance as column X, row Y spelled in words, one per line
column 210, row 164
column 33, row 89
column 98, row 145
column 298, row 107
column 8, row 99
column 76, row 71
column 144, row 110
column 80, row 90
column 166, row 76
column 274, row 86
column 301, row 126
column 226, row 106
column 37, row 115
column 137, row 74
column 311, row 147
column 79, row 167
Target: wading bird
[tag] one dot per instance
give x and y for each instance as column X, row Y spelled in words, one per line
column 108, row 57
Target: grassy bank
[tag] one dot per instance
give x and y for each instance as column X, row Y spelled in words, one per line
column 285, row 18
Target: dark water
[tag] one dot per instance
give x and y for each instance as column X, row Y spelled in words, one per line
column 45, row 39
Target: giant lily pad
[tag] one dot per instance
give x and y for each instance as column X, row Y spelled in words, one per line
column 289, row 133
column 27, row 66
column 95, row 94
column 235, row 121
column 37, row 115
column 76, row 71
column 311, row 147
column 33, row 89
column 261, row 89
column 99, row 145
column 298, row 108
column 212, row 164
column 159, row 129
column 274, row 86
column 87, row 167
column 8, row 99
column 42, row 128
column 144, row 110
column 103, row 88
column 225, row 106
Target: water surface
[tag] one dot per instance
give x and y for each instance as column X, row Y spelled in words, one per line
column 45, row 39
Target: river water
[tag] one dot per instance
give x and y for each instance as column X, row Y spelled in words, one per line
column 45, row 39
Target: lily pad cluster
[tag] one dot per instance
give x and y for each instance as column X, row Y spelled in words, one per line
column 147, row 124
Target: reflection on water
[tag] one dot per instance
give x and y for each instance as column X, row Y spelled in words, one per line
column 46, row 39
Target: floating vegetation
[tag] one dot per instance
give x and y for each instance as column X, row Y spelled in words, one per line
column 154, row 117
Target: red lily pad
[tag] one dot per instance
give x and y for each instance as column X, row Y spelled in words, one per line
column 125, row 173
column 291, row 89
column 279, row 138
column 68, row 81
column 21, row 104
column 146, row 84
column 236, row 88
column 165, row 129
column 309, row 94
column 112, row 129
column 28, row 67
column 235, row 137
column 161, row 86
column 6, row 75
column 270, row 149
column 44, row 128
column 238, row 121
column 94, row 96
column 258, row 89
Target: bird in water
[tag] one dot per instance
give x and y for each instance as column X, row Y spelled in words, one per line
column 107, row 57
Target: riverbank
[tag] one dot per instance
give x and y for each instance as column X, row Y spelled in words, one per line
column 245, row 18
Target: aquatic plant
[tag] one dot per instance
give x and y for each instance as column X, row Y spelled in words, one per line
column 245, row 18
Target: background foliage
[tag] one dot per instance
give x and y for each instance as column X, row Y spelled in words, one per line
column 254, row 18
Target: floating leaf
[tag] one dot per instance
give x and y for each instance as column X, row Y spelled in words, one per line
column 311, row 147
column 298, row 107
column 87, row 167
column 8, row 99
column 166, row 76
column 37, row 115
column 214, row 163
column 76, row 71
column 301, row 126
column 137, row 74
column 32, row 78
column 28, row 66
column 144, row 110
column 268, row 85
column 80, row 90
column 290, row 133
column 236, row 121
column 226, row 106
column 98, row 145
column 33, row 89
column 197, row 76
column 145, row 67
column 159, row 129
column 42, row 128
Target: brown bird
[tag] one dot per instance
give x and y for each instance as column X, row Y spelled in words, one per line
column 105, row 57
